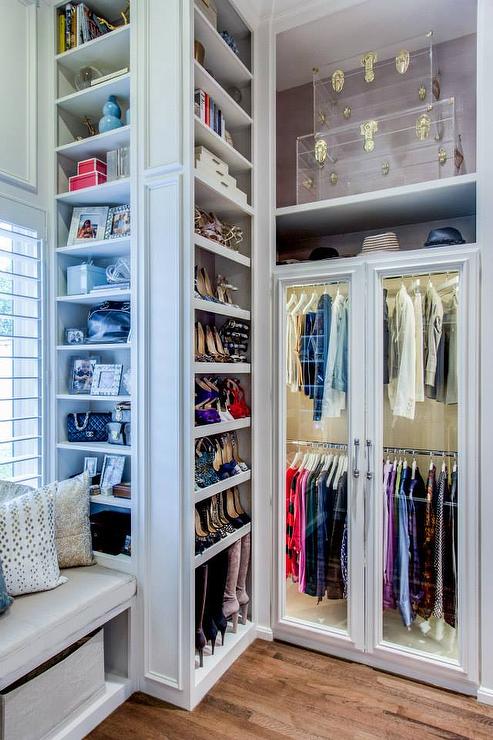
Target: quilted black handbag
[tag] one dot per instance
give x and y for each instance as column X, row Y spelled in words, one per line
column 109, row 322
column 88, row 427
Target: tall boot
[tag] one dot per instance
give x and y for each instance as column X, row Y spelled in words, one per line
column 241, row 593
column 231, row 607
column 217, row 581
column 200, row 593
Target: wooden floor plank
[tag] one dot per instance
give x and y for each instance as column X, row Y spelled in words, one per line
column 276, row 691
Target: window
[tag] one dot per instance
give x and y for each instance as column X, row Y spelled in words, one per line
column 20, row 355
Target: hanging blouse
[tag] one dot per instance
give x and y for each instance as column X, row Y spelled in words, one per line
column 402, row 385
column 418, row 333
column 433, row 318
column 334, row 400
column 322, row 337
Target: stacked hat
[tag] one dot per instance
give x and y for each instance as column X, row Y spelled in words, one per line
column 380, row 243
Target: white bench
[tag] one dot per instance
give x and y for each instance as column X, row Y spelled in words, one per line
column 40, row 625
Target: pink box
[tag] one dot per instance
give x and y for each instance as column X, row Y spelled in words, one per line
column 77, row 182
column 91, row 165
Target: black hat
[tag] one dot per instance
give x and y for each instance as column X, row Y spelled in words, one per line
column 446, row 235
column 323, row 253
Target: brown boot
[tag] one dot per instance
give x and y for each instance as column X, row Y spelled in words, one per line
column 241, row 593
column 231, row 607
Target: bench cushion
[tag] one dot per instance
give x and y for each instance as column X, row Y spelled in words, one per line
column 39, row 625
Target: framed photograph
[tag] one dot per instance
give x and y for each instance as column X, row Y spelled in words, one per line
column 88, row 224
column 75, row 336
column 112, row 472
column 106, row 380
column 82, row 374
column 91, row 466
column 118, row 222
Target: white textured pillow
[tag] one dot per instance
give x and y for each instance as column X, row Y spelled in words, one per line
column 9, row 490
column 72, row 527
column 27, row 542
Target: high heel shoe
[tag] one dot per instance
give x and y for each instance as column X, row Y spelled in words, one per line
column 223, row 352
column 241, row 511
column 241, row 592
column 200, row 594
column 231, row 606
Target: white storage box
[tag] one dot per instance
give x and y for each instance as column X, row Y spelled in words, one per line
column 215, row 173
column 83, row 278
column 34, row 706
column 202, row 154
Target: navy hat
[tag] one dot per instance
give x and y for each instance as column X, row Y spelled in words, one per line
column 323, row 253
column 446, row 235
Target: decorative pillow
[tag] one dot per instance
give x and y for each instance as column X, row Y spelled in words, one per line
column 5, row 600
column 9, row 490
column 27, row 542
column 72, row 528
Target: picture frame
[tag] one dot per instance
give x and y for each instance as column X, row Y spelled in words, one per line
column 112, row 472
column 91, row 466
column 75, row 335
column 82, row 374
column 106, row 380
column 88, row 224
column 118, row 222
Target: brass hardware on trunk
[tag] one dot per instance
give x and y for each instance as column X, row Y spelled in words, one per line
column 347, row 112
column 442, row 155
column 422, row 92
column 385, row 168
column 308, row 183
column 338, row 81
column 322, row 117
column 423, row 126
column 402, row 61
column 333, row 177
column 368, row 130
column 368, row 61
column 320, row 151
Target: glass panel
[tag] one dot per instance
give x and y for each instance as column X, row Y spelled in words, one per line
column 420, row 491
column 316, row 476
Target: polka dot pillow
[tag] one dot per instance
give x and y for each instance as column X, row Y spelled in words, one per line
column 27, row 542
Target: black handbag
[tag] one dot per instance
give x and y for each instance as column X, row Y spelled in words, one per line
column 109, row 322
column 88, row 427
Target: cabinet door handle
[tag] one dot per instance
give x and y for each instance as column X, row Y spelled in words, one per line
column 355, row 459
column 369, row 474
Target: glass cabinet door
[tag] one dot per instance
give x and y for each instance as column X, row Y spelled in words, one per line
column 317, row 469
column 419, row 481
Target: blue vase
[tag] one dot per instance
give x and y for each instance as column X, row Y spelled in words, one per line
column 111, row 115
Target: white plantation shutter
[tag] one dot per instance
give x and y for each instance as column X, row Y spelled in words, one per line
column 20, row 355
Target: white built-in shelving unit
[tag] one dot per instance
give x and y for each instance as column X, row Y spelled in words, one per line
column 223, row 70
column 108, row 53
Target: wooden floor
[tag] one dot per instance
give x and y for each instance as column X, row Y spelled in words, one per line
column 278, row 691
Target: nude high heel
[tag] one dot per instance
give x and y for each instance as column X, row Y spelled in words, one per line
column 231, row 606
column 241, row 592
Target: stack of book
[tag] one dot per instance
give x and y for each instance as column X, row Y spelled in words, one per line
column 209, row 113
column 77, row 24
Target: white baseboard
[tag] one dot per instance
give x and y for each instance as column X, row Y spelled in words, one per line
column 265, row 633
column 485, row 696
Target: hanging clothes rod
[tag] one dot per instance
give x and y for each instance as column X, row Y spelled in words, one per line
column 311, row 443
column 418, row 451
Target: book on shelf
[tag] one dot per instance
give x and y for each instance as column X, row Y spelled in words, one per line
column 209, row 112
column 78, row 24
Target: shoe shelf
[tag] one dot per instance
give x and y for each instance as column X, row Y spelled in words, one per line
column 205, row 136
column 221, row 368
column 89, row 102
column 223, row 309
column 107, row 248
column 89, row 299
column 203, row 493
column 119, row 503
column 96, row 146
column 223, row 426
column 211, row 198
column 114, row 46
column 226, row 65
column 101, row 448
column 226, row 542
column 425, row 201
column 92, row 348
column 220, row 250
column 224, row 655
column 116, row 192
